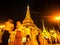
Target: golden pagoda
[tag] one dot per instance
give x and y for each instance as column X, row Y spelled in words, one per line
column 28, row 28
column 28, row 20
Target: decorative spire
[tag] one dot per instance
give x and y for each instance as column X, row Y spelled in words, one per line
column 43, row 24
column 28, row 19
column 28, row 7
column 28, row 12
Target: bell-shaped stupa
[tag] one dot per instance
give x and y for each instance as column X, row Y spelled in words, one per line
column 28, row 20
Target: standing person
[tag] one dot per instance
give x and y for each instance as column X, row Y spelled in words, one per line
column 8, row 27
column 19, row 34
column 41, row 39
column 12, row 37
column 21, row 28
column 34, row 33
column 28, row 41
column 5, row 37
column 18, row 38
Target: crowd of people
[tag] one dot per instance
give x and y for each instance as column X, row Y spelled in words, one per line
column 20, row 37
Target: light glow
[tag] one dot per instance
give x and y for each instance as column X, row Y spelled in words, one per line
column 57, row 18
column 2, row 26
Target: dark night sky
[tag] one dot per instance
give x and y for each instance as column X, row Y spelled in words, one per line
column 39, row 9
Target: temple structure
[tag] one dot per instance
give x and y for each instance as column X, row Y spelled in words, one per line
column 28, row 29
column 31, row 28
column 28, row 22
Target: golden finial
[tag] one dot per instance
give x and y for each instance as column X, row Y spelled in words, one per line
column 28, row 7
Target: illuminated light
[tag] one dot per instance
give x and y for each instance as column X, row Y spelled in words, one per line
column 51, row 31
column 23, row 39
column 46, row 36
column 2, row 26
column 57, row 18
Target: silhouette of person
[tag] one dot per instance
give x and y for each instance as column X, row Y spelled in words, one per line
column 18, row 38
column 5, row 37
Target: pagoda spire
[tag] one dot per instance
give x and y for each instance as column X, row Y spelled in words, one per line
column 43, row 24
column 28, row 12
column 28, row 18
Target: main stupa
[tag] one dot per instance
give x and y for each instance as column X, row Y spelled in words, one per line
column 28, row 20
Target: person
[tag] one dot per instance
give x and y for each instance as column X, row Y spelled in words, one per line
column 5, row 37
column 11, row 37
column 28, row 41
column 20, row 27
column 8, row 27
column 18, row 38
column 34, row 33
column 41, row 39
